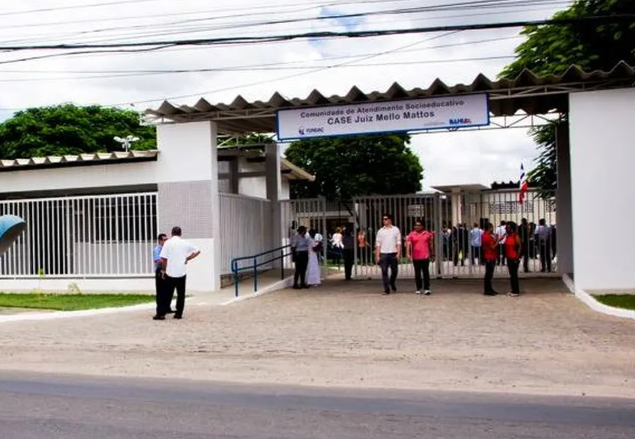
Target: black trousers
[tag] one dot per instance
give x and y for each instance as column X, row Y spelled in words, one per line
column 389, row 261
column 160, row 285
column 476, row 254
column 349, row 256
column 301, row 263
column 545, row 256
column 525, row 255
column 422, row 266
column 177, row 283
column 512, row 266
column 489, row 275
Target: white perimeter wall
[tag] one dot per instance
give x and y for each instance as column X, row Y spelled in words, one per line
column 602, row 130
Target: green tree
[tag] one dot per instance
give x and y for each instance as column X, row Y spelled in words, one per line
column 346, row 167
column 553, row 49
column 69, row 129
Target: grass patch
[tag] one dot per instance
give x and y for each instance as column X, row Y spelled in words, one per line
column 625, row 301
column 71, row 302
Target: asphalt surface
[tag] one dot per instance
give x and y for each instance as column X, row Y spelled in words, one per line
column 40, row 406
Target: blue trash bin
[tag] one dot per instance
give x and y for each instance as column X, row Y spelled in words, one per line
column 11, row 227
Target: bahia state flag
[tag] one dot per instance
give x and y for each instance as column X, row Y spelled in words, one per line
column 524, row 185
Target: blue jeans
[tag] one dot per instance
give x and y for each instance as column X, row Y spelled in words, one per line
column 386, row 261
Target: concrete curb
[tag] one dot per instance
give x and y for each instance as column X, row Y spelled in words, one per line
column 53, row 315
column 280, row 285
column 592, row 303
column 36, row 316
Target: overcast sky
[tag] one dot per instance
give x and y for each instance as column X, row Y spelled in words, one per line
column 293, row 68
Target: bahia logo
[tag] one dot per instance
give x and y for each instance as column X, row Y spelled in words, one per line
column 460, row 121
column 304, row 131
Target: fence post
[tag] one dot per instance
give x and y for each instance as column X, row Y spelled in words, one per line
column 235, row 270
column 282, row 263
column 255, row 276
column 439, row 242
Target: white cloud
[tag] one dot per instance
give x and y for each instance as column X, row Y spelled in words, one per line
column 448, row 158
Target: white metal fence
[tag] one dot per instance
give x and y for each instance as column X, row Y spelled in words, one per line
column 453, row 219
column 90, row 236
column 246, row 228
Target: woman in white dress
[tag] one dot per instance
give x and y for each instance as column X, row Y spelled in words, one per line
column 313, row 269
column 337, row 245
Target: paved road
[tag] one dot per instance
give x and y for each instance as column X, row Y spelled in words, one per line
column 37, row 406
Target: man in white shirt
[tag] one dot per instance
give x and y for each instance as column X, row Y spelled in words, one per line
column 388, row 252
column 175, row 255
column 501, row 233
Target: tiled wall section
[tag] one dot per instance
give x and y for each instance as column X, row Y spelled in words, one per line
column 187, row 204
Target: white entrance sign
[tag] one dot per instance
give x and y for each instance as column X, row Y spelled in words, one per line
column 383, row 117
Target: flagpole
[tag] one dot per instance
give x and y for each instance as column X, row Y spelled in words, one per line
column 521, row 197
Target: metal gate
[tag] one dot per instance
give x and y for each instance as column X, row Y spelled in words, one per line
column 308, row 212
column 457, row 220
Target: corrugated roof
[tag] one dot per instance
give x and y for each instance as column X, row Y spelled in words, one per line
column 528, row 93
column 292, row 172
column 99, row 158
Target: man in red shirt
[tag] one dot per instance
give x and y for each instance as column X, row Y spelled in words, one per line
column 490, row 253
column 420, row 250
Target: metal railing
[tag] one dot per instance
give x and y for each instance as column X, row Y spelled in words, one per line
column 236, row 270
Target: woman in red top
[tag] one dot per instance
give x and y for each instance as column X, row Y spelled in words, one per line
column 420, row 250
column 490, row 253
column 513, row 248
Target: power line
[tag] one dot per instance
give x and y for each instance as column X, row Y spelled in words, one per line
column 61, row 8
column 266, row 81
column 248, row 66
column 387, row 19
column 279, row 78
column 250, row 24
column 482, row 4
column 348, row 34
column 251, row 9
column 254, row 69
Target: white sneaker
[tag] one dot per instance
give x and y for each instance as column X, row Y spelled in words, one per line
column 427, row 292
column 418, row 292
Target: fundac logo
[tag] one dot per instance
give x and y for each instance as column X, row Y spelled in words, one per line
column 304, row 131
column 461, row 121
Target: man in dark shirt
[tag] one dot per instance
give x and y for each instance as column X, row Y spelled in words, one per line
column 348, row 241
column 300, row 252
column 525, row 234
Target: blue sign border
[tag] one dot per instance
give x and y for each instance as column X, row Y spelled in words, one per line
column 455, row 128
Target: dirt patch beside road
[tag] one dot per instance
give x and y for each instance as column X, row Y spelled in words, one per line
column 346, row 334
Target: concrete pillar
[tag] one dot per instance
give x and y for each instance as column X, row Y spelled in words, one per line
column 272, row 171
column 187, row 176
column 564, row 225
column 602, row 194
column 456, row 207
column 234, row 179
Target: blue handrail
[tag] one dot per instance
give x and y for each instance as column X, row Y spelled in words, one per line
column 236, row 270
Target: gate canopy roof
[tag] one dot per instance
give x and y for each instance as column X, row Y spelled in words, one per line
column 527, row 93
